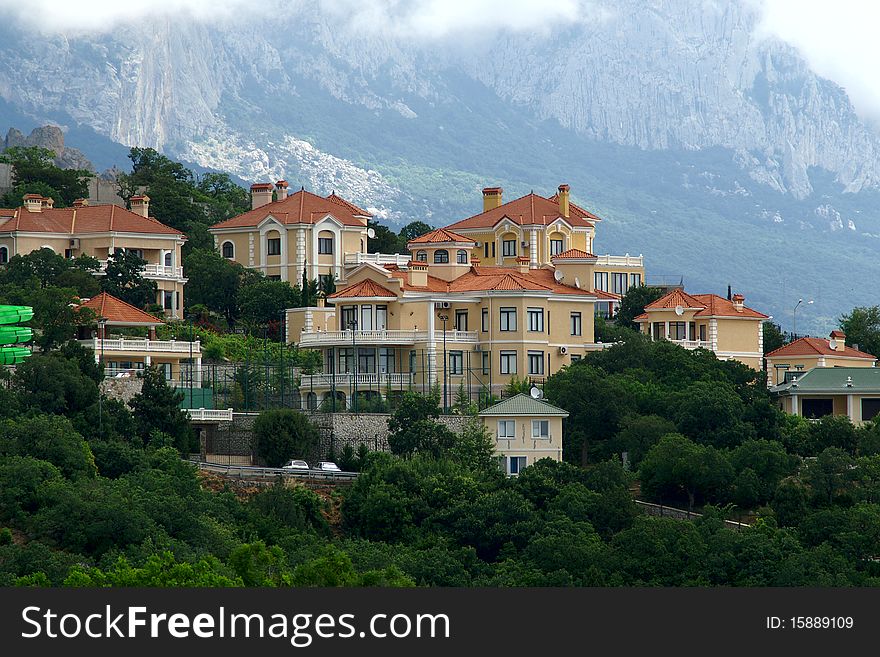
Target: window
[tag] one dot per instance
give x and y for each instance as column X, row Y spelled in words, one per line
column 461, row 320
column 273, row 246
column 421, row 256
column 515, row 464
column 493, row 249
column 366, row 318
column 485, row 363
column 325, row 246
column 386, row 360
column 506, row 429
column 484, row 320
column 508, row 319
column 508, row 248
column 703, row 332
column 168, row 259
column 536, row 363
column 348, row 315
column 4, row 255
column 508, row 362
column 346, row 360
column 228, row 250
column 274, row 277
column 138, row 252
column 692, row 331
column 677, row 330
column 486, row 250
column 461, row 257
column 441, row 256
column 556, row 247
column 540, row 429
column 456, row 362
column 412, row 360
column 870, row 408
column 536, row 319
column 575, row 358
column 366, row 360
column 576, row 324
column 381, row 318
column 635, row 280
column 816, row 408
column 600, row 280
column 167, row 300
column 658, row 330
column 68, row 253
column 619, row 283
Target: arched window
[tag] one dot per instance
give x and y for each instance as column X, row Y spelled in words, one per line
column 168, row 258
column 441, row 256
column 422, row 256
column 325, row 243
column 461, row 257
column 228, row 250
column 4, row 255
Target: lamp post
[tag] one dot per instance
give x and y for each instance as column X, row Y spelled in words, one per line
column 352, row 326
column 794, row 317
column 102, row 323
column 444, row 318
column 281, row 338
column 191, row 338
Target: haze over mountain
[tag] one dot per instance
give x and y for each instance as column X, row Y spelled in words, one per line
column 707, row 145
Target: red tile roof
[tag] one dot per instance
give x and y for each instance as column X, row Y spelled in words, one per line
column 440, row 235
column 528, row 210
column 86, row 219
column 572, row 254
column 119, row 312
column 816, row 347
column 707, row 305
column 365, row 288
column 301, row 207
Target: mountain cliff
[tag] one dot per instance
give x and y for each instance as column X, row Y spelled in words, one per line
column 713, row 150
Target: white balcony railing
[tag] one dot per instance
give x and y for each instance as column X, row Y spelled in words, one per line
column 620, row 261
column 149, row 346
column 152, row 270
column 330, row 338
column 693, row 344
column 209, row 414
column 399, row 259
column 345, row 380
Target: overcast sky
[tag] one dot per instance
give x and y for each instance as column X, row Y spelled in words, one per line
column 838, row 38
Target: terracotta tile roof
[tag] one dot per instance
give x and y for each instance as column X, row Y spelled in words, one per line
column 572, row 254
column 366, row 288
column 86, row 219
column 118, row 312
column 440, row 235
column 434, row 284
column 505, row 278
column 527, row 210
column 707, row 305
column 816, row 347
column 301, row 207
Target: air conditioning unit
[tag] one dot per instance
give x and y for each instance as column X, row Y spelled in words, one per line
column 525, row 245
column 479, row 245
column 74, row 243
column 441, row 304
column 563, row 351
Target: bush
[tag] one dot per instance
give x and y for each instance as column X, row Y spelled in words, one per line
column 283, row 434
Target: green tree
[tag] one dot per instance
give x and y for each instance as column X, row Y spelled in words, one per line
column 33, row 164
column 774, row 338
column 263, row 301
column 633, row 304
column 284, row 434
column 49, row 438
column 156, row 408
column 413, row 427
column 413, row 230
column 125, row 281
column 385, row 241
column 51, row 383
column 862, row 327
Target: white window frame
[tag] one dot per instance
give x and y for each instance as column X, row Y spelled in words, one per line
column 521, row 461
column 537, row 425
column 534, row 357
column 557, row 247
column 506, row 429
column 504, row 315
column 506, row 359
column 322, row 243
column 577, row 324
column 456, row 363
column 508, row 253
column 535, row 320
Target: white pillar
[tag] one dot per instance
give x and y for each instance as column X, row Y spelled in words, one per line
column 667, row 330
column 197, row 375
column 283, row 258
column 533, row 250
column 794, row 405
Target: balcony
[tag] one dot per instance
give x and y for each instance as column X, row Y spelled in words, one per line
column 209, row 414
column 620, row 261
column 380, row 259
column 152, row 270
column 143, row 345
column 693, row 344
column 382, row 336
column 365, row 379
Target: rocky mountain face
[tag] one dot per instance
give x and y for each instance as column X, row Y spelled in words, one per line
column 51, row 137
column 674, row 119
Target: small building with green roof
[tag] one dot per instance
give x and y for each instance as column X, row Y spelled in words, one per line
column 850, row 391
column 525, row 430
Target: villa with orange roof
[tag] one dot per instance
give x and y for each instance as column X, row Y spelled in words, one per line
column 99, row 231
column 726, row 327
column 280, row 238
column 804, row 354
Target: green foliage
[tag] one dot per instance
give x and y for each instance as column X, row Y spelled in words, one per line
column 48, row 438
column 156, row 408
column 633, row 304
column 413, row 427
column 123, row 279
column 284, row 434
column 160, row 571
column 774, row 338
column 862, row 327
column 51, row 383
column 263, row 301
column 33, row 171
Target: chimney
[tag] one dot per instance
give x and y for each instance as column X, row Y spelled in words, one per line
column 475, row 260
column 491, row 198
column 33, row 202
column 140, row 205
column 81, row 203
column 261, row 194
column 47, row 202
column 418, row 274
column 729, row 293
column 738, row 302
column 563, row 200
column 839, row 338
column 522, row 263
column 281, row 190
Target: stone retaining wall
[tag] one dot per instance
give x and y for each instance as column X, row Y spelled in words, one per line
column 123, row 389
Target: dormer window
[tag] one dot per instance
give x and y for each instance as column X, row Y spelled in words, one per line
column 441, row 256
column 461, row 257
column 421, row 256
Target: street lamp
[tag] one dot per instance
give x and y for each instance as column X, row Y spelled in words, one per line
column 281, row 336
column 102, row 323
column 444, row 318
column 794, row 317
column 352, row 326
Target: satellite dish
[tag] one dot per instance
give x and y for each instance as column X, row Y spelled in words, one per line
column 558, row 275
column 536, row 393
column 577, row 282
column 833, row 344
column 679, row 310
column 371, row 233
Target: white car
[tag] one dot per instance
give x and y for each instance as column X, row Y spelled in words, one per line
column 296, row 465
column 328, row 466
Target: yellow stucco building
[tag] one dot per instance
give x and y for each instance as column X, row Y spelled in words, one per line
column 806, row 353
column 99, row 231
column 726, row 327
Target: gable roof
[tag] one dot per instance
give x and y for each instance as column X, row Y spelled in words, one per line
column 506, row 278
column 706, row 305
column 82, row 220
column 365, row 288
column 523, row 404
column 833, row 380
column 118, row 312
column 572, row 254
column 528, row 210
column 301, row 207
column 816, row 347
column 440, row 235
